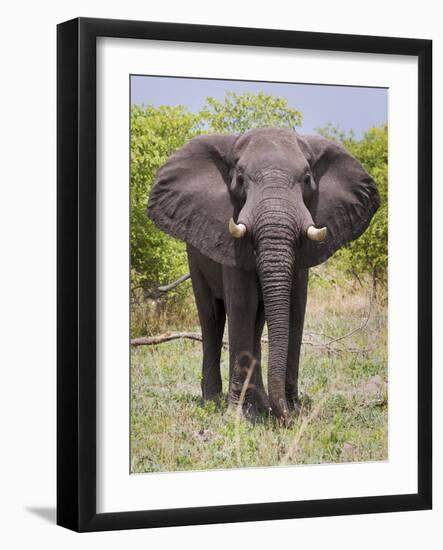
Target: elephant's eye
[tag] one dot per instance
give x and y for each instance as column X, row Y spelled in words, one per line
column 307, row 179
column 240, row 180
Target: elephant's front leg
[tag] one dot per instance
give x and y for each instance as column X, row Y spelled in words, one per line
column 297, row 318
column 212, row 317
column 242, row 308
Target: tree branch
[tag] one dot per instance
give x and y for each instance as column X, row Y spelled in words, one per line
column 361, row 327
column 156, row 293
column 166, row 337
column 196, row 336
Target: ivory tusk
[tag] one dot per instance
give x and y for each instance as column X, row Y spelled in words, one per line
column 237, row 230
column 315, row 234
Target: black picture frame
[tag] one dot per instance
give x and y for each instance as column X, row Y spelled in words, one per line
column 76, row 281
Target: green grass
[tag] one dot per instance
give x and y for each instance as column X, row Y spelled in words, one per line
column 344, row 394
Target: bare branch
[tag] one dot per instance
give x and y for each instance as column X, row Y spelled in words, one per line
column 156, row 293
column 196, row 336
column 361, row 327
column 166, row 337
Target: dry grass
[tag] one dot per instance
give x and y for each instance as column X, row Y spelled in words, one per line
column 149, row 317
column 344, row 395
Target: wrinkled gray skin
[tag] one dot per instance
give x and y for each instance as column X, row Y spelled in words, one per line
column 277, row 183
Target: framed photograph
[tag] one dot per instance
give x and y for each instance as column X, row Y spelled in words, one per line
column 244, row 274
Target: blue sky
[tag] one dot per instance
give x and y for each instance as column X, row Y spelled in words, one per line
column 347, row 107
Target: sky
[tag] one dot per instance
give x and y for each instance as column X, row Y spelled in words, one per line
column 347, row 107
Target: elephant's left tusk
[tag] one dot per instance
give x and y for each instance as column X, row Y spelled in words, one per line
column 237, row 230
column 315, row 234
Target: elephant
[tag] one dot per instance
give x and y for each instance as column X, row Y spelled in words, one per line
column 257, row 210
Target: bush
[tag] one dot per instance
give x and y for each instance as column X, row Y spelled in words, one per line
column 156, row 132
column 368, row 255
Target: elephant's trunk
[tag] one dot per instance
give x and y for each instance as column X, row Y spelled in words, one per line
column 278, row 225
column 276, row 295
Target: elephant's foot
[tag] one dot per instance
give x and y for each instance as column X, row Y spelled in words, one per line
column 216, row 397
column 210, row 395
column 282, row 411
column 253, row 404
column 211, row 391
column 262, row 400
column 294, row 403
column 250, row 411
column 298, row 404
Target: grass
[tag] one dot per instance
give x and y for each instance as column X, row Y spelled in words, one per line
column 344, row 394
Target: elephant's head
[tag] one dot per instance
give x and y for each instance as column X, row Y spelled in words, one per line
column 269, row 200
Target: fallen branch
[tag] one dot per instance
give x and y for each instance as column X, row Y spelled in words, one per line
column 196, row 336
column 361, row 327
column 156, row 293
column 167, row 337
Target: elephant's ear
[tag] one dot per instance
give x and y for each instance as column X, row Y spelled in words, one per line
column 190, row 200
column 344, row 198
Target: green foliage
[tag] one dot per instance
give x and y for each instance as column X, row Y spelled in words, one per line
column 336, row 133
column 344, row 396
column 156, row 132
column 171, row 429
column 368, row 255
column 239, row 113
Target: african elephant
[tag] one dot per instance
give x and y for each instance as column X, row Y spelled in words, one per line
column 295, row 200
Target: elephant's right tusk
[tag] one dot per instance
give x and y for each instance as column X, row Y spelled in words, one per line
column 237, row 230
column 315, row 234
